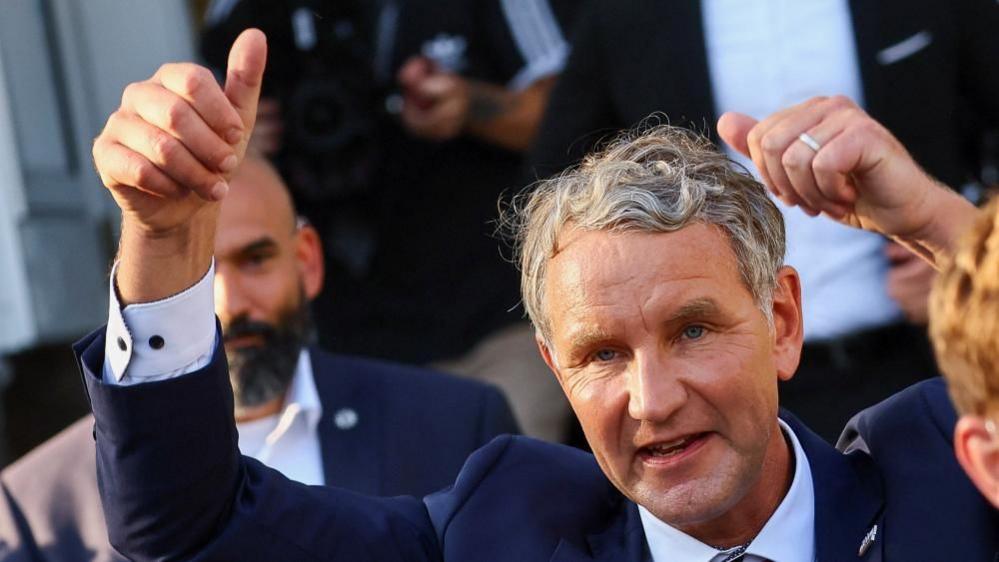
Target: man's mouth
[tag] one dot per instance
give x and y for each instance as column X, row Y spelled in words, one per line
column 669, row 452
column 243, row 341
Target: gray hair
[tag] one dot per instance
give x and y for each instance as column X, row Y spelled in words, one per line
column 659, row 180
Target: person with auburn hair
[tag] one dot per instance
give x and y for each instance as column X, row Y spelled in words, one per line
column 964, row 326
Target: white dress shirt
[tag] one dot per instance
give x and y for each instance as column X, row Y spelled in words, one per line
column 766, row 55
column 788, row 536
column 176, row 335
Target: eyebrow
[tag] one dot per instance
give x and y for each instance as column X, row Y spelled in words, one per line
column 262, row 243
column 697, row 308
column 700, row 308
column 585, row 338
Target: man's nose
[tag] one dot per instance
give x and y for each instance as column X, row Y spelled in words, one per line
column 655, row 393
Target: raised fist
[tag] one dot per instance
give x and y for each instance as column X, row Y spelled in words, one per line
column 828, row 156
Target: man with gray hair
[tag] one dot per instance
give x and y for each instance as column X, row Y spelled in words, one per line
column 654, row 275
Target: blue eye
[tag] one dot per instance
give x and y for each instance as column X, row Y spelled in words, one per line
column 693, row 332
column 605, row 355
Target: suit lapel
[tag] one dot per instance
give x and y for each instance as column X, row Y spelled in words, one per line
column 350, row 427
column 623, row 540
column 848, row 500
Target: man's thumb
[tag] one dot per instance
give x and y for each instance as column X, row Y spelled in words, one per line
column 733, row 128
column 245, row 74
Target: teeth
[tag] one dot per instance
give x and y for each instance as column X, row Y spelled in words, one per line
column 673, row 447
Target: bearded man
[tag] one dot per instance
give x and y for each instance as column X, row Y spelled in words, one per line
column 369, row 426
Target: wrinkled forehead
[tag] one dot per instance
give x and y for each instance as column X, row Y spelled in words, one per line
column 635, row 251
column 593, row 269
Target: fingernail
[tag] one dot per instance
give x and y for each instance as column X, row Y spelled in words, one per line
column 220, row 190
column 229, row 164
column 234, row 136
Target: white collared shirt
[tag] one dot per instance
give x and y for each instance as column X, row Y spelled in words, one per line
column 788, row 536
column 163, row 339
column 766, row 55
column 289, row 441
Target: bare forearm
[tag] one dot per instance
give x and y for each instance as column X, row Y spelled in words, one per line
column 154, row 266
column 505, row 118
column 951, row 216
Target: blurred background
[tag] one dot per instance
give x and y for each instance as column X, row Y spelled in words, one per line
column 63, row 65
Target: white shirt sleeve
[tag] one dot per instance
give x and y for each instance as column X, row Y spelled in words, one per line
column 162, row 339
column 539, row 39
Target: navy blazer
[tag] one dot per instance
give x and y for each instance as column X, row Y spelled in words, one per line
column 413, row 431
column 175, row 487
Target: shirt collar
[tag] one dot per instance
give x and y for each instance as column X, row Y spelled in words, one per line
column 302, row 394
column 788, row 536
column 671, row 545
column 300, row 414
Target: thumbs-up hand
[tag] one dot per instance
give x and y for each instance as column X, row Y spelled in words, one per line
column 166, row 155
column 168, row 149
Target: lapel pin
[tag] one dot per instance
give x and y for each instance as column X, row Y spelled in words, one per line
column 865, row 545
column 345, row 418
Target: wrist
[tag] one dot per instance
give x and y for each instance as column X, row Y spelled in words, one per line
column 156, row 264
column 948, row 215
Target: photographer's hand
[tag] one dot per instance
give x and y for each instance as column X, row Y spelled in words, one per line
column 441, row 105
column 165, row 155
column 435, row 103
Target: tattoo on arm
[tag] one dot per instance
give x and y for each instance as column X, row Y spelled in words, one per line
column 486, row 103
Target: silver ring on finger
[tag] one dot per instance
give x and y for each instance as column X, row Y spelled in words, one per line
column 810, row 141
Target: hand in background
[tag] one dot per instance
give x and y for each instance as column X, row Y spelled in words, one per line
column 435, row 103
column 165, row 156
column 909, row 282
column 860, row 175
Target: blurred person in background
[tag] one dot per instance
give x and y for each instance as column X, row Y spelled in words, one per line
column 369, row 426
column 397, row 124
column 925, row 69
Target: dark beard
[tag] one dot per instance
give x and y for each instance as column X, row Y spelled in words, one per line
column 259, row 374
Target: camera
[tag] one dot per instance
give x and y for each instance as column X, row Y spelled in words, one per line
column 320, row 70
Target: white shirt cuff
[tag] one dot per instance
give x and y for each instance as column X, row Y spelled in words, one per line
column 162, row 339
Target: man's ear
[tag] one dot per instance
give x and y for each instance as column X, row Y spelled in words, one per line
column 977, row 451
column 788, row 330
column 546, row 354
column 309, row 254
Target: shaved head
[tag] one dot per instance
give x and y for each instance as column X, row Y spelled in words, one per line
column 258, row 189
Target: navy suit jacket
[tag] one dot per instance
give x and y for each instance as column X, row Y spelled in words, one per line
column 414, row 430
column 175, row 487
